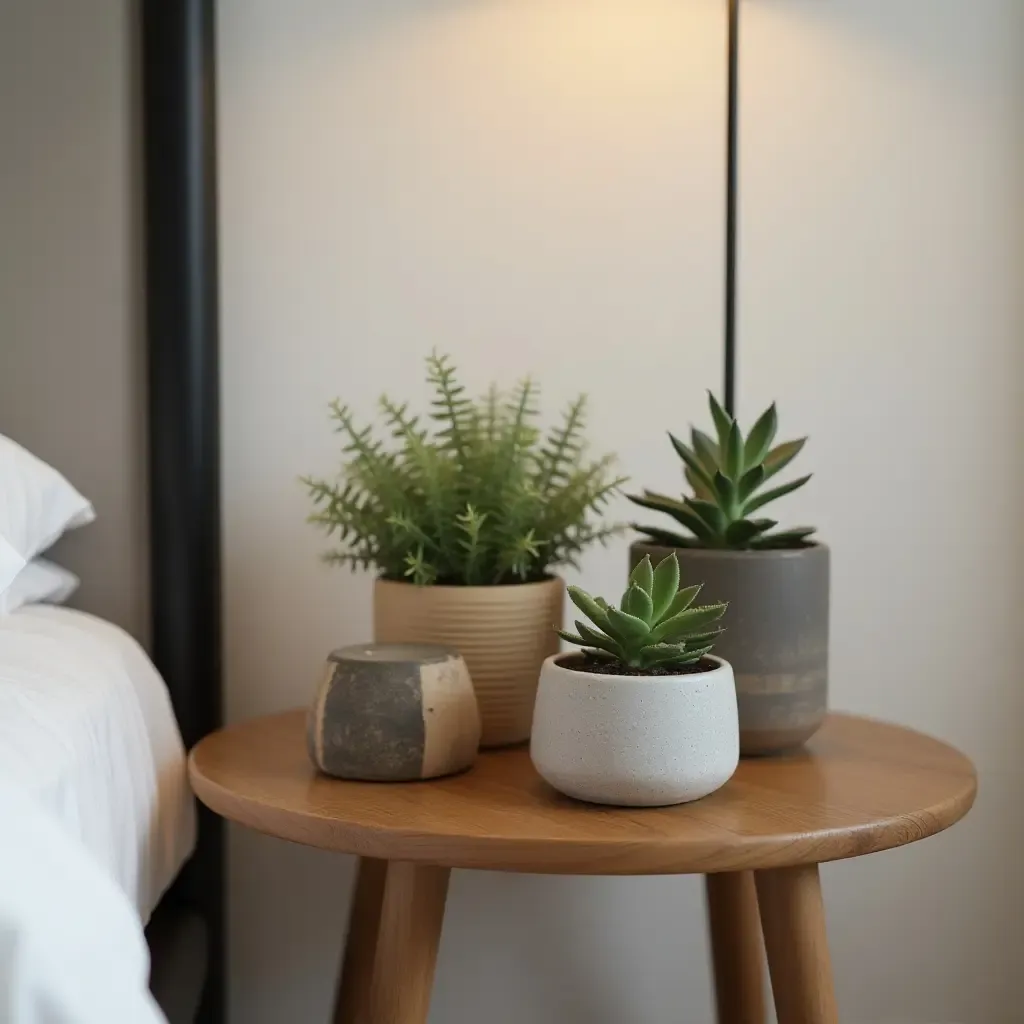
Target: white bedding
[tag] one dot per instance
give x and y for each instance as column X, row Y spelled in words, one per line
column 86, row 727
column 71, row 946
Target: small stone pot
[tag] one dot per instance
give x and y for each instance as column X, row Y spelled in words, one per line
column 394, row 713
column 776, row 636
column 504, row 632
column 635, row 741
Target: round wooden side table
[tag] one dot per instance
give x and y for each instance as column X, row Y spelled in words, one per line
column 859, row 786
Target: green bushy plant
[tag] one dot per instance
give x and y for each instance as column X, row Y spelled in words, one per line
column 727, row 477
column 474, row 493
column 655, row 625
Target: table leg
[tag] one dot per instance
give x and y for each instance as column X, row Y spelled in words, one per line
column 351, row 1004
column 736, row 947
column 793, row 919
column 407, row 943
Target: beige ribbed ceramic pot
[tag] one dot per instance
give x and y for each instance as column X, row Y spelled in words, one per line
column 504, row 633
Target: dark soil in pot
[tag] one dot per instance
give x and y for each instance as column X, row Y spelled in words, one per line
column 581, row 663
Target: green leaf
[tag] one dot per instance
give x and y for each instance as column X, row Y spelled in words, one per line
column 705, row 449
column 741, row 531
column 666, row 537
column 625, row 626
column 678, row 510
column 670, row 655
column 749, row 482
column 643, row 574
column 562, row 448
column 723, row 421
column 696, row 655
column 725, row 490
column 693, row 464
column 704, row 534
column 791, row 538
column 588, row 606
column 701, row 639
column 660, row 654
column 571, row 638
column 657, row 502
column 693, row 619
column 776, row 492
column 760, row 438
column 665, row 586
column 699, row 490
column 418, row 569
column 599, row 640
column 638, row 603
column 665, row 501
column 781, row 456
column 733, row 452
column 683, row 600
column 710, row 514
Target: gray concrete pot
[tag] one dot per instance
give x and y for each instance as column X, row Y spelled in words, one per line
column 776, row 635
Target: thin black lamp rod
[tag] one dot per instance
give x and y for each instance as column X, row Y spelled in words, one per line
column 731, row 197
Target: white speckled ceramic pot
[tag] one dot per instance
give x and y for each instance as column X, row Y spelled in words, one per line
column 635, row 741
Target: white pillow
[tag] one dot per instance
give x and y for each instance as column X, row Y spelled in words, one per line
column 37, row 505
column 40, row 582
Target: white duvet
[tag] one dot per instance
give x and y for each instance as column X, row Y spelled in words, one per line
column 87, row 730
column 71, row 946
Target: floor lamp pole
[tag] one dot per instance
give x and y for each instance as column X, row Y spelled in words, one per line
column 731, row 191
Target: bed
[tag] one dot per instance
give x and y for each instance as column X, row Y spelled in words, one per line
column 87, row 728
column 93, row 772
column 87, row 731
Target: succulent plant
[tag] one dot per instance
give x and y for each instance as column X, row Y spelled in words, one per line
column 727, row 478
column 655, row 625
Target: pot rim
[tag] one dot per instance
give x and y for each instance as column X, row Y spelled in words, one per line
column 722, row 666
column 553, row 578
column 430, row 653
column 731, row 553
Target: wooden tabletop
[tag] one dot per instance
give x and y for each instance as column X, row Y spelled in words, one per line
column 859, row 786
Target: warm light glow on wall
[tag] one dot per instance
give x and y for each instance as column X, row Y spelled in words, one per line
column 598, row 49
column 557, row 108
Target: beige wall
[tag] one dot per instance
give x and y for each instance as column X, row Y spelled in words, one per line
column 883, row 302
column 70, row 368
column 536, row 185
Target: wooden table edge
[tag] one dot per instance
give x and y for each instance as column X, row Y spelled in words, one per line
column 579, row 857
